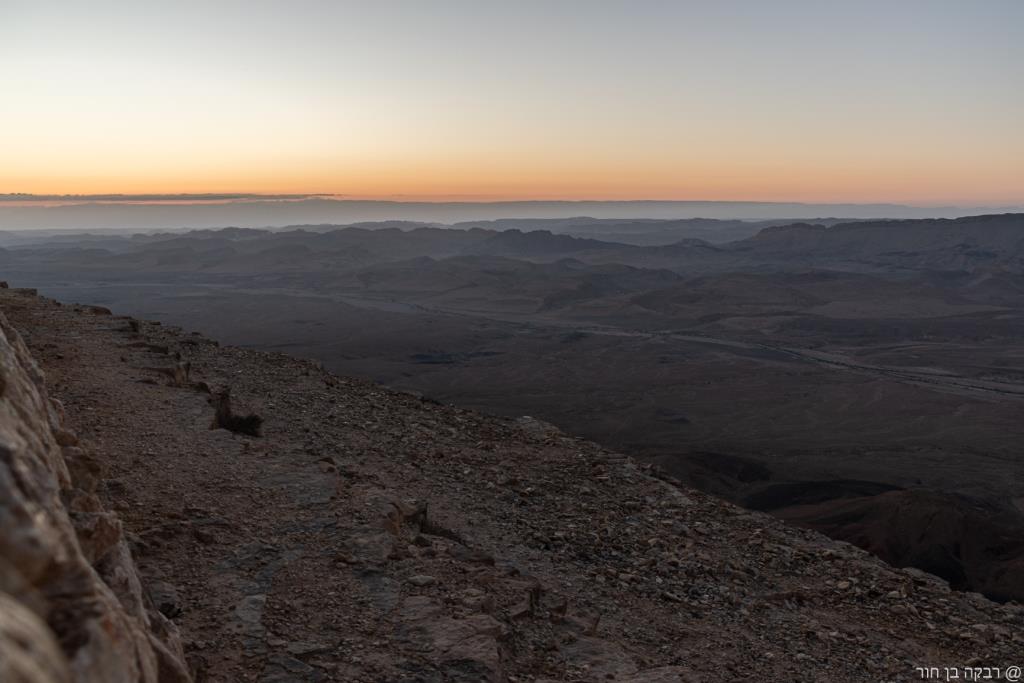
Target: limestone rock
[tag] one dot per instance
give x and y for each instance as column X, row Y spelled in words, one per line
column 28, row 651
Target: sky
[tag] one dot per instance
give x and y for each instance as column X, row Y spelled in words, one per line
column 916, row 101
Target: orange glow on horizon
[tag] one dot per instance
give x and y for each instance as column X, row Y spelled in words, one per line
column 502, row 101
column 923, row 187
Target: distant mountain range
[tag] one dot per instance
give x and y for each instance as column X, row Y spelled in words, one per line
column 274, row 212
column 972, row 243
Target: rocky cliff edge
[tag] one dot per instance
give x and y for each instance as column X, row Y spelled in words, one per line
column 300, row 526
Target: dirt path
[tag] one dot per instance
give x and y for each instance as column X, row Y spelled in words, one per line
column 305, row 554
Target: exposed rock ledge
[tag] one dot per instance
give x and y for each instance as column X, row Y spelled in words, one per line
column 71, row 602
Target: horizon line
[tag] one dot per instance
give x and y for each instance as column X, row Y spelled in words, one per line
column 39, row 199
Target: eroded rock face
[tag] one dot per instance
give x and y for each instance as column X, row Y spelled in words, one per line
column 71, row 603
column 28, row 651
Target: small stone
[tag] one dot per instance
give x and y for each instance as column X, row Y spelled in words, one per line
column 204, row 537
column 301, row 648
column 422, row 580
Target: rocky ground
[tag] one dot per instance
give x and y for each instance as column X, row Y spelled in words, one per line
column 367, row 535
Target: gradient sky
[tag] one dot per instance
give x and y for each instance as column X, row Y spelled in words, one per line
column 907, row 101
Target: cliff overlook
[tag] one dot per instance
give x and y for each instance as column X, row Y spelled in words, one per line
column 294, row 525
